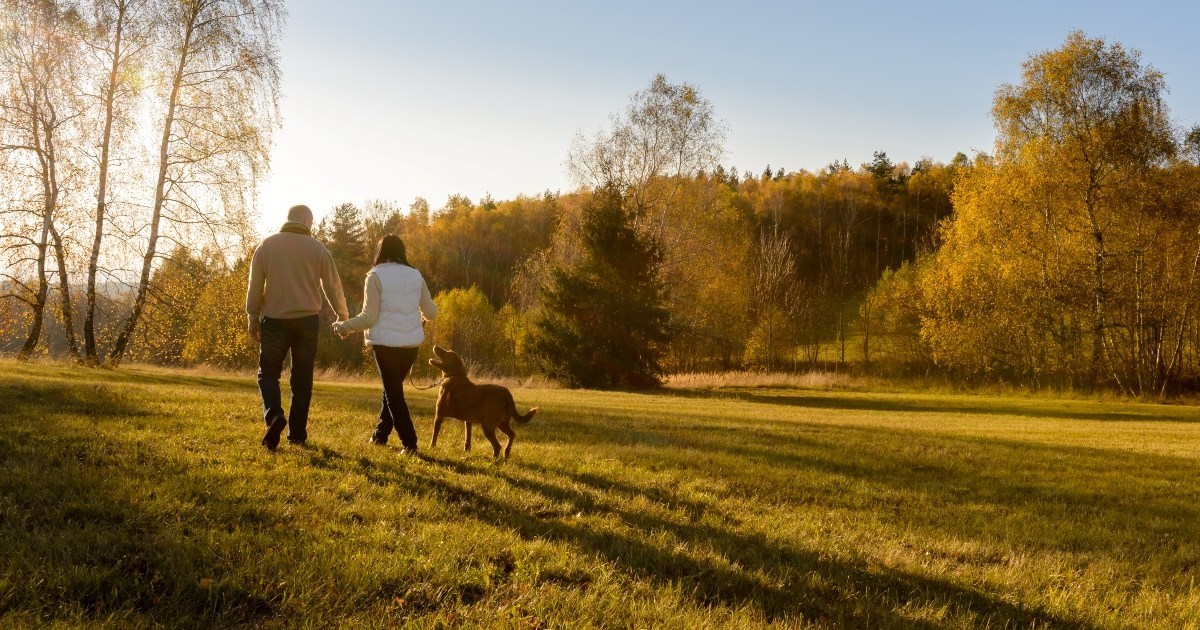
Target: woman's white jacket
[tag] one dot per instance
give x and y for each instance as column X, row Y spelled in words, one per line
column 395, row 299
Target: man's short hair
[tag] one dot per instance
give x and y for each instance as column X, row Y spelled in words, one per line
column 300, row 213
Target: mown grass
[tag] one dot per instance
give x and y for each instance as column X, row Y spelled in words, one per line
column 141, row 497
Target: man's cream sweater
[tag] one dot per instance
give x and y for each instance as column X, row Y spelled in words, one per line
column 288, row 275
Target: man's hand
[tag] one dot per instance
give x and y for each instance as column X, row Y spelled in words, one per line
column 339, row 329
column 255, row 332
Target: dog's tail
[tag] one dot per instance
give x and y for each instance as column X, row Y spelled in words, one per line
column 512, row 411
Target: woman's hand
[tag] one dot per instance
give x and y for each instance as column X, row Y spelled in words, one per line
column 339, row 329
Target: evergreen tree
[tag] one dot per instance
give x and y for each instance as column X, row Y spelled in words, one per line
column 344, row 235
column 603, row 324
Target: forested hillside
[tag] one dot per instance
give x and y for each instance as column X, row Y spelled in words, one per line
column 1067, row 256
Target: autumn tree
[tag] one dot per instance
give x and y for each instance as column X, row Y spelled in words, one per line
column 668, row 130
column 654, row 154
column 1095, row 115
column 776, row 299
column 1069, row 256
column 344, row 233
column 219, row 93
column 119, row 43
column 216, row 332
column 467, row 323
column 380, row 218
column 172, row 296
column 657, row 152
column 38, row 111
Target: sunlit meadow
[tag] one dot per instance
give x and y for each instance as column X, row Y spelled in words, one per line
column 141, row 498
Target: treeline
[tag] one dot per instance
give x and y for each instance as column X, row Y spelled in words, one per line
column 1073, row 252
column 1068, row 257
column 769, row 272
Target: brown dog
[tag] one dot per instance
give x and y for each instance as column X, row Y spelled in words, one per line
column 489, row 406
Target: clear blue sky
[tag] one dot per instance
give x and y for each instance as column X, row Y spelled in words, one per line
column 394, row 100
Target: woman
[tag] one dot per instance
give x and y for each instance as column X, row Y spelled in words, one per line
column 396, row 303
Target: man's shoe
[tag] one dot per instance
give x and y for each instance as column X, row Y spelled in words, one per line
column 271, row 437
column 372, row 440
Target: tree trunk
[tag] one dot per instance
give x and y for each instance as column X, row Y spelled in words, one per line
column 1097, row 365
column 866, row 323
column 139, row 302
column 66, row 308
column 39, row 301
column 1185, row 317
column 49, row 203
column 89, row 321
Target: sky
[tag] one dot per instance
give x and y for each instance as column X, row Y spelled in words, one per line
column 393, row 100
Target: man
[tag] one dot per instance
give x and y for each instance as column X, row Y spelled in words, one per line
column 288, row 275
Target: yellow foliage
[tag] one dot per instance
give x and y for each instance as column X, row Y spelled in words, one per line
column 467, row 323
column 217, row 330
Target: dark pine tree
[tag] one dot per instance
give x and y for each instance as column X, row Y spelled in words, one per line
column 604, row 324
column 344, row 235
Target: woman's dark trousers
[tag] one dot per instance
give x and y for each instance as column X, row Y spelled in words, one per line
column 278, row 336
column 394, row 364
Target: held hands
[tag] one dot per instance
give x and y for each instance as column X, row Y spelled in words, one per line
column 340, row 329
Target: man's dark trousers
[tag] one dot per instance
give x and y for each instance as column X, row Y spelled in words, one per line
column 278, row 337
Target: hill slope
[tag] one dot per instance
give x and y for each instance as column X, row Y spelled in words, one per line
column 141, row 497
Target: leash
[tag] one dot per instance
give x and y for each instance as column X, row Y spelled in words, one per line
column 410, row 378
column 430, row 386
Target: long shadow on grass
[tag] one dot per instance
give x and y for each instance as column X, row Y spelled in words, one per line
column 903, row 473
column 76, row 524
column 825, row 400
column 133, row 376
column 1014, row 476
column 782, row 582
column 45, row 399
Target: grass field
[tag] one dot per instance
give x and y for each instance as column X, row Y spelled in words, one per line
column 141, row 497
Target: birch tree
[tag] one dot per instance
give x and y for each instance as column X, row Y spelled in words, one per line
column 219, row 106
column 1092, row 117
column 37, row 110
column 118, row 43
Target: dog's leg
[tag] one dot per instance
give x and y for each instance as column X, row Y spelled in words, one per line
column 512, row 435
column 437, row 420
column 467, row 447
column 437, row 428
column 491, row 436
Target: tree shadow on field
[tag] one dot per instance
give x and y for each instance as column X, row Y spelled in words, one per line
column 135, row 376
column 47, row 399
column 784, row 583
column 919, row 404
column 903, row 473
column 1016, row 480
column 105, row 527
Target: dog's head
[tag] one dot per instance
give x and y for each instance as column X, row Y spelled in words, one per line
column 448, row 362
